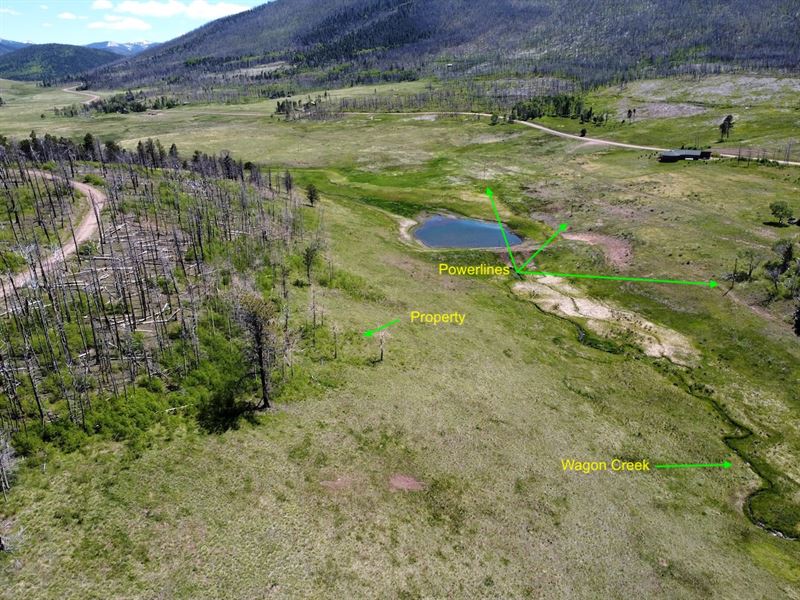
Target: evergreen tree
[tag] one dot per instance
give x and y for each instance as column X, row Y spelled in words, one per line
column 312, row 193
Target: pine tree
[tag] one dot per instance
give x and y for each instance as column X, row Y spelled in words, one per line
column 312, row 193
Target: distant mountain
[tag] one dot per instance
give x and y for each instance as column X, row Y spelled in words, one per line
column 9, row 46
column 123, row 48
column 341, row 40
column 47, row 62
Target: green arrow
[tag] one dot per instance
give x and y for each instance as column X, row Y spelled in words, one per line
column 709, row 284
column 502, row 229
column 723, row 465
column 372, row 332
column 561, row 228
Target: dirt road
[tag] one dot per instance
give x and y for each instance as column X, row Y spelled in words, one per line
column 84, row 230
column 571, row 136
column 74, row 90
column 603, row 142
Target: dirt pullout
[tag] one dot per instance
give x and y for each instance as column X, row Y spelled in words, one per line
column 618, row 252
column 554, row 295
column 405, row 483
column 590, row 144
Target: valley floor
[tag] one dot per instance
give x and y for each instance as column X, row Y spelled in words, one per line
column 438, row 471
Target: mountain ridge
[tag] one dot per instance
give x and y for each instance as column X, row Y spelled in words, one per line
column 7, row 46
column 582, row 39
column 123, row 48
column 48, row 62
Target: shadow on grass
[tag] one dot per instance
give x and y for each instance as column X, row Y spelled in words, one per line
column 775, row 224
column 222, row 411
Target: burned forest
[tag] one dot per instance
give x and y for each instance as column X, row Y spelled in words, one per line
column 190, row 294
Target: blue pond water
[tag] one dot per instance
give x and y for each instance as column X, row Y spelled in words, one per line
column 451, row 232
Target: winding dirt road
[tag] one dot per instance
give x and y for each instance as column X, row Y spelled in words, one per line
column 84, row 231
column 74, row 90
column 600, row 141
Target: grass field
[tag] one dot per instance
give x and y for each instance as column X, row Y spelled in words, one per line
column 28, row 106
column 300, row 503
column 687, row 111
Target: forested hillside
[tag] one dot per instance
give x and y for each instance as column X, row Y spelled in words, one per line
column 46, row 62
column 7, row 46
column 372, row 40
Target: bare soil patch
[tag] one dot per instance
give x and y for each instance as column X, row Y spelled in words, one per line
column 405, row 230
column 748, row 88
column 589, row 144
column 494, row 138
column 258, row 69
column 618, row 252
column 405, row 483
column 554, row 295
column 741, row 87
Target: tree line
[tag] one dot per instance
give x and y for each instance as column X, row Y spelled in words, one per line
column 773, row 275
column 129, row 102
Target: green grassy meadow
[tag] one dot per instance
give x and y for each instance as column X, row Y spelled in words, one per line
column 672, row 113
column 298, row 503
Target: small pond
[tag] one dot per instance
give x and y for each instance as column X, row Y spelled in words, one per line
column 451, row 232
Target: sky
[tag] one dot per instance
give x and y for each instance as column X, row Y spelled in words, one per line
column 86, row 21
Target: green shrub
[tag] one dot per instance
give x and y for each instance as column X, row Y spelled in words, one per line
column 65, row 435
column 124, row 418
column 88, row 249
column 404, row 209
column 93, row 179
column 11, row 261
column 353, row 285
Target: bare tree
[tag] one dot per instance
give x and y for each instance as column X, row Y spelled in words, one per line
column 752, row 258
column 258, row 318
column 309, row 256
column 7, row 462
